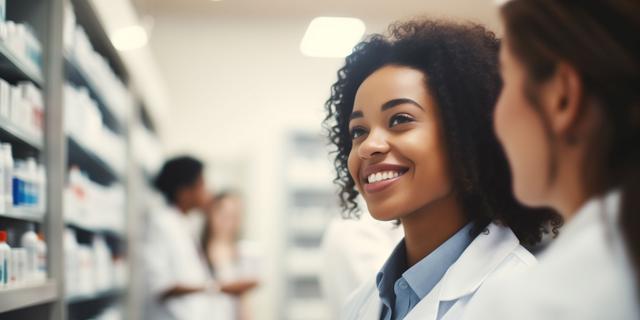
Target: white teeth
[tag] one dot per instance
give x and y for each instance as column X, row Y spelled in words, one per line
column 380, row 176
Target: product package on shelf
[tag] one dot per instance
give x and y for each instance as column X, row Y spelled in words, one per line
column 3, row 10
column 93, row 205
column 23, row 106
column 24, row 264
column 22, row 183
column 91, row 268
column 83, row 121
column 96, row 68
column 22, row 42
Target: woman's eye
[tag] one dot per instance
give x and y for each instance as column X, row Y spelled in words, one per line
column 357, row 132
column 400, row 119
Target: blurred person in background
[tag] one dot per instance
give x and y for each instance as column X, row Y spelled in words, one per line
column 569, row 120
column 410, row 116
column 353, row 250
column 234, row 263
column 178, row 282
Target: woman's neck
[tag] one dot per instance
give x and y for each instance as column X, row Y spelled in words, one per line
column 429, row 227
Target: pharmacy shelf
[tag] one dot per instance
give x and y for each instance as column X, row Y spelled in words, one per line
column 111, row 233
column 27, row 296
column 13, row 133
column 99, row 170
column 24, row 214
column 87, row 16
column 80, row 78
column 12, row 68
column 102, row 295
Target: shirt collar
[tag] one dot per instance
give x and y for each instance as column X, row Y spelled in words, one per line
column 425, row 274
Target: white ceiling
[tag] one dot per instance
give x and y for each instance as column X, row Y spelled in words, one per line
column 206, row 53
column 477, row 10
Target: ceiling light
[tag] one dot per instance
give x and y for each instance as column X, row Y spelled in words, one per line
column 129, row 38
column 331, row 37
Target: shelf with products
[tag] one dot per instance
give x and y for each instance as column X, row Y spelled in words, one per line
column 93, row 207
column 310, row 198
column 23, row 256
column 11, row 132
column 89, row 63
column 97, row 168
column 101, row 295
column 13, row 67
column 80, row 78
column 21, row 114
column 22, row 186
column 95, row 267
column 28, row 295
column 110, row 233
column 20, row 52
column 24, row 214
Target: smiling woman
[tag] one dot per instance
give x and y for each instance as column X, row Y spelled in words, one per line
column 410, row 116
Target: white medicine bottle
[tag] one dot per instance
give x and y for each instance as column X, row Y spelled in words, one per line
column 5, row 260
column 29, row 242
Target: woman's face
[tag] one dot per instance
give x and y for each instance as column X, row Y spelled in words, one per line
column 226, row 217
column 520, row 129
column 398, row 158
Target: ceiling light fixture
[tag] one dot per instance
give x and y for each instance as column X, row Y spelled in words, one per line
column 129, row 38
column 331, row 37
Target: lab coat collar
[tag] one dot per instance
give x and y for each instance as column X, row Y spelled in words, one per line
column 480, row 258
column 598, row 209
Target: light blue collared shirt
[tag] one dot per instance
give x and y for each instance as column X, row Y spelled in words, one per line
column 401, row 290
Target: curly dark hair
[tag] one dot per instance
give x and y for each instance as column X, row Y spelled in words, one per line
column 461, row 64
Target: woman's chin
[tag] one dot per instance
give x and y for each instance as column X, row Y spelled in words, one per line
column 385, row 214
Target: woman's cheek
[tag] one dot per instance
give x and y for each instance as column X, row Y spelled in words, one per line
column 521, row 132
column 353, row 164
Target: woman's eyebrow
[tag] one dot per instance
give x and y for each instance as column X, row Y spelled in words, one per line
column 355, row 115
column 396, row 102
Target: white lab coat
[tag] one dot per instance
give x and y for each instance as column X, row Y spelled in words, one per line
column 353, row 251
column 583, row 275
column 490, row 254
column 172, row 258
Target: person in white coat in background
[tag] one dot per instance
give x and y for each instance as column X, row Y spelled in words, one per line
column 410, row 116
column 353, row 250
column 569, row 120
column 234, row 262
column 179, row 283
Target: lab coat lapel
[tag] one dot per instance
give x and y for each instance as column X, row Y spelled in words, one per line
column 466, row 275
column 427, row 308
column 372, row 307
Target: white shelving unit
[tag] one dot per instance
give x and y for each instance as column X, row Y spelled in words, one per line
column 310, row 201
column 58, row 151
column 27, row 296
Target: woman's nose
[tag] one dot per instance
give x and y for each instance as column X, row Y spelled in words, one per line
column 375, row 143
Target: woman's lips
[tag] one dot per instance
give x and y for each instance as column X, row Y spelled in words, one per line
column 378, row 177
column 380, row 185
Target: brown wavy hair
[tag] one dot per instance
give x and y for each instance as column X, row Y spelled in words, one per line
column 600, row 40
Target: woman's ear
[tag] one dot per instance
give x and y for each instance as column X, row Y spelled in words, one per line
column 564, row 99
